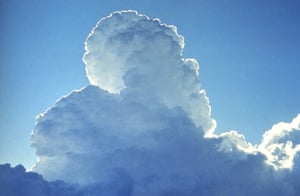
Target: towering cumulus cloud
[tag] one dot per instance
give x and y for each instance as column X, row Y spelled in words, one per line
column 128, row 53
column 143, row 126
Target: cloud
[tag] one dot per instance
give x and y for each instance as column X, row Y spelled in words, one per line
column 281, row 144
column 143, row 126
column 130, row 53
column 15, row 181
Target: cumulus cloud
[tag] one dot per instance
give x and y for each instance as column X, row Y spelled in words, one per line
column 143, row 126
column 15, row 181
column 281, row 144
column 130, row 53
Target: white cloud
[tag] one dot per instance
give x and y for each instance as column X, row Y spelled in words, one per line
column 144, row 128
column 281, row 144
column 130, row 53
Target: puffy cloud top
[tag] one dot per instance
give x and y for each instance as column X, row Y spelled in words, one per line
column 126, row 41
column 281, row 144
column 130, row 53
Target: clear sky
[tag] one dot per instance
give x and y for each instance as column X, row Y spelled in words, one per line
column 248, row 52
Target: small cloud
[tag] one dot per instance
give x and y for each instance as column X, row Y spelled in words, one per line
column 281, row 144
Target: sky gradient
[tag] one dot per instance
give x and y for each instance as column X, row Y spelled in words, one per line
column 248, row 53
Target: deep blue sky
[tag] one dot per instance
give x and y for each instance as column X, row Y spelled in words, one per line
column 248, row 52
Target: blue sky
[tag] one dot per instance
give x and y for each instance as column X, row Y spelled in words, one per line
column 248, row 53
